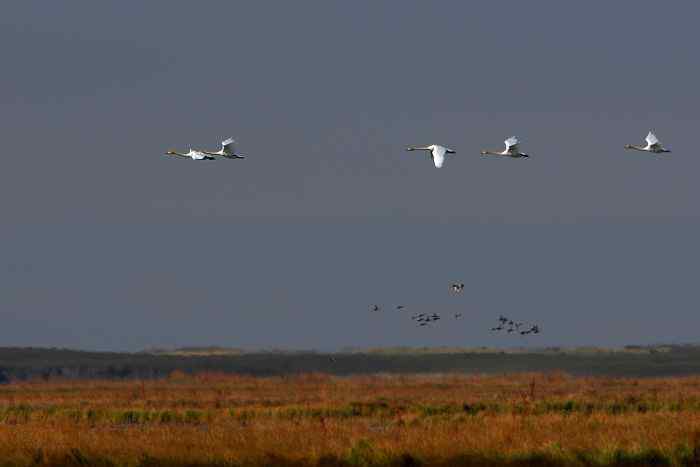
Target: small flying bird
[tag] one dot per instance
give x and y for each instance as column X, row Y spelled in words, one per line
column 436, row 152
column 457, row 288
column 192, row 154
column 512, row 149
column 375, row 308
column 653, row 145
column 400, row 307
column 228, row 150
column 498, row 328
column 458, row 315
column 535, row 329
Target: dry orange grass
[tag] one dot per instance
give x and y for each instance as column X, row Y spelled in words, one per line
column 362, row 420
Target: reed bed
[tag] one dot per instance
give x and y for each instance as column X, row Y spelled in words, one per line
column 382, row 420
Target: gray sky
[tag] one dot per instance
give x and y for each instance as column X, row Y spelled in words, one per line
column 111, row 245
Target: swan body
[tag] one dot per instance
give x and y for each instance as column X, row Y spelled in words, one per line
column 228, row 150
column 437, row 153
column 192, row 154
column 653, row 145
column 512, row 149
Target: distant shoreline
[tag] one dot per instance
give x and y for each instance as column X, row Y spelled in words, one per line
column 21, row 364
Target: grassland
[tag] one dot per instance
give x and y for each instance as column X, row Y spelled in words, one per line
column 320, row 419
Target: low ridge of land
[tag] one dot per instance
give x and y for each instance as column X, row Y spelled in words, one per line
column 633, row 361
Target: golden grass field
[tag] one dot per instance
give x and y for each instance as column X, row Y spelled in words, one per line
column 316, row 419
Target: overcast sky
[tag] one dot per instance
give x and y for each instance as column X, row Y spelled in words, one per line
column 109, row 244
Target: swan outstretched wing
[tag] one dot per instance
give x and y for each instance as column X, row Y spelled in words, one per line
column 438, row 154
column 512, row 143
column 228, row 147
column 652, row 140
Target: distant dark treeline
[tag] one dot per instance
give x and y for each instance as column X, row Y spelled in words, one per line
column 32, row 363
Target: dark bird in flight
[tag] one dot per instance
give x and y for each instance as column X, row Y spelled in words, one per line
column 535, row 329
column 457, row 287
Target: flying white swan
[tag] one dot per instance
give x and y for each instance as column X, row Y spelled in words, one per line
column 512, row 149
column 228, row 150
column 436, row 152
column 653, row 145
column 192, row 154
